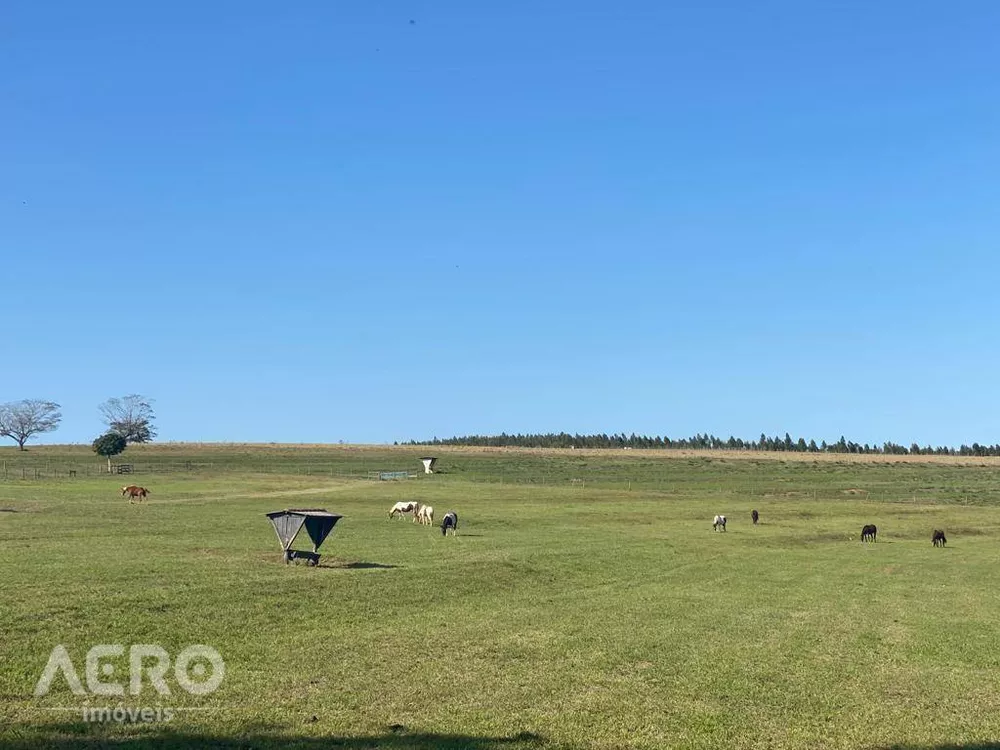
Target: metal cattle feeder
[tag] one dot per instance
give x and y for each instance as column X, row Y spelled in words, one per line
column 288, row 523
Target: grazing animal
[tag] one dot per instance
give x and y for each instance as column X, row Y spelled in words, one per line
column 868, row 533
column 755, row 516
column 403, row 507
column 450, row 521
column 134, row 491
column 719, row 523
column 939, row 539
column 426, row 515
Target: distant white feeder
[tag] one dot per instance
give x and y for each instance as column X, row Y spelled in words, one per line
column 428, row 464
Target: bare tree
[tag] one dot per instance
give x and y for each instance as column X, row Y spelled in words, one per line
column 131, row 417
column 19, row 420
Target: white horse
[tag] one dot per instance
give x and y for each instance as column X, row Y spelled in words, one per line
column 401, row 508
column 425, row 514
column 719, row 523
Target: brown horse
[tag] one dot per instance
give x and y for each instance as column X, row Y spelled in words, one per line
column 134, row 491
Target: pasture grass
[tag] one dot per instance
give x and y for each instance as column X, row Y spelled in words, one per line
column 598, row 613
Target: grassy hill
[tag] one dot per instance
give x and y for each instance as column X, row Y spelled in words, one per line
column 585, row 603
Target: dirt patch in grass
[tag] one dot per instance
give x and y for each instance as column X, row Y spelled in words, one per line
column 967, row 531
column 821, row 537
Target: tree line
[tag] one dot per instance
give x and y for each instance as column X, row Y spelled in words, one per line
column 707, row 441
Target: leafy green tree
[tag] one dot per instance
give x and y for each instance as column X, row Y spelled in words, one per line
column 110, row 444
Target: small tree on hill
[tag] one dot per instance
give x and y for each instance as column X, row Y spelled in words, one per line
column 22, row 419
column 110, row 444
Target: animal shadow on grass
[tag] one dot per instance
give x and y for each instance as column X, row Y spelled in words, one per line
column 7, row 510
column 395, row 737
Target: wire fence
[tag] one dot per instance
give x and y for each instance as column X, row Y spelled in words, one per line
column 58, row 470
column 977, row 490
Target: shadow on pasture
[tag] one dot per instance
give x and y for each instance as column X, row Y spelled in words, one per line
column 357, row 565
column 395, row 737
column 7, row 510
column 945, row 746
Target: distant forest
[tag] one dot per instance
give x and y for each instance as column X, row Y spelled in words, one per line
column 765, row 443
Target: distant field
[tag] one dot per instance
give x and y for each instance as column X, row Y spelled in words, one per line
column 586, row 602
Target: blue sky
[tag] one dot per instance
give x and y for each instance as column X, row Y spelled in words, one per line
column 318, row 221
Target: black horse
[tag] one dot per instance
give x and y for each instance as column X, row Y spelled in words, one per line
column 755, row 516
column 868, row 533
column 938, row 539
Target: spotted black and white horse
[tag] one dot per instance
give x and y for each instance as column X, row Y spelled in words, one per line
column 719, row 523
column 450, row 521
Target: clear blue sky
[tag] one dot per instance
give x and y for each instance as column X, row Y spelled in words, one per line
column 318, row 221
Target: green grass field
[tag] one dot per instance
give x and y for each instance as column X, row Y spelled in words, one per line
column 585, row 603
